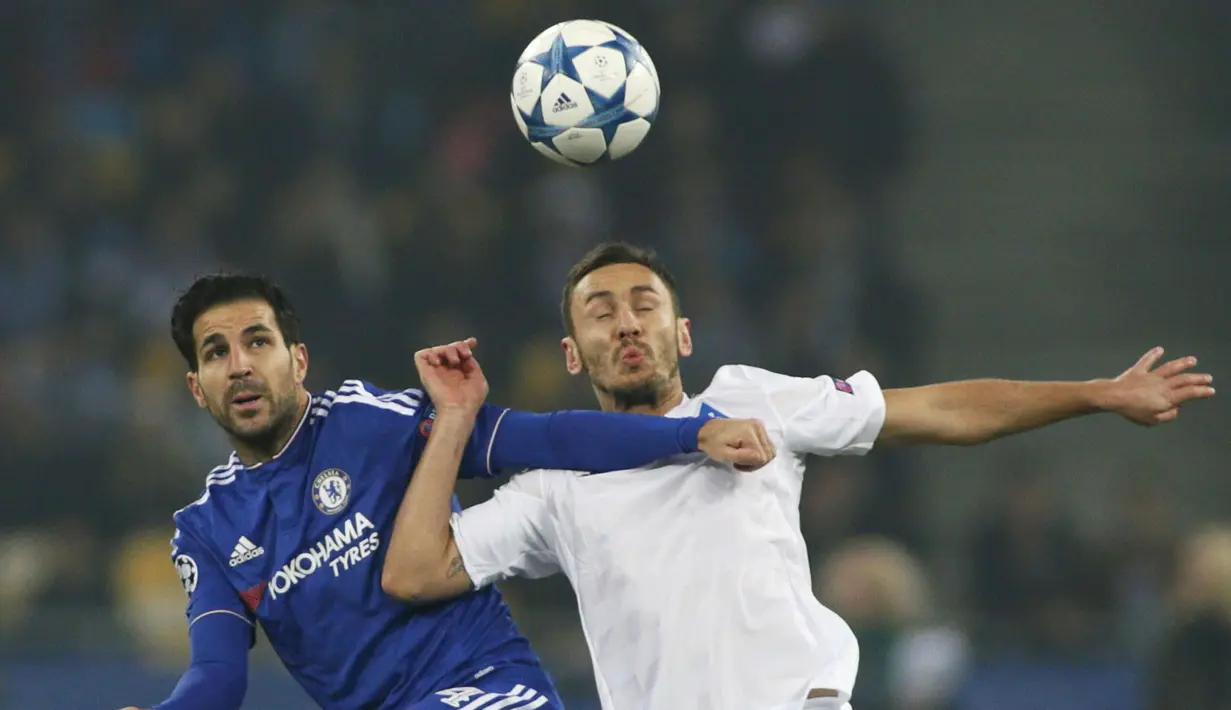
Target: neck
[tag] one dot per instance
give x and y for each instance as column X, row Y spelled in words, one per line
column 251, row 453
column 668, row 399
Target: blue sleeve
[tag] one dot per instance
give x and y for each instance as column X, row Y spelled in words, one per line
column 506, row 441
column 209, row 592
column 217, row 677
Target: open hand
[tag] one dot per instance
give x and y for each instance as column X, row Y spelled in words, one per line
column 452, row 376
column 1148, row 396
column 743, row 443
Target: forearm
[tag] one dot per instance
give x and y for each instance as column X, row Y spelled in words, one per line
column 972, row 412
column 580, row 440
column 422, row 562
column 217, row 677
column 209, row 685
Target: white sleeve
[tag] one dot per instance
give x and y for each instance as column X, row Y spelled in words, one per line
column 822, row 415
column 507, row 535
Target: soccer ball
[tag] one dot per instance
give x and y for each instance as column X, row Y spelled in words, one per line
column 584, row 91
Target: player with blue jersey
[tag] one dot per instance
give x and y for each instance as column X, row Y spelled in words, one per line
column 291, row 531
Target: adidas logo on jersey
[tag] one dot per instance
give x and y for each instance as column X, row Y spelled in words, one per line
column 244, row 551
column 563, row 103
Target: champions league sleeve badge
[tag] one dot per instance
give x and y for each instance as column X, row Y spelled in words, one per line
column 331, row 491
column 186, row 568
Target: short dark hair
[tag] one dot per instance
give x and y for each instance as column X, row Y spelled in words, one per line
column 219, row 289
column 608, row 254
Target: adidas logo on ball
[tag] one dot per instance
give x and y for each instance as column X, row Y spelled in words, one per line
column 584, row 92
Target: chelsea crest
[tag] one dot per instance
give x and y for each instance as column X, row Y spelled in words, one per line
column 331, row 491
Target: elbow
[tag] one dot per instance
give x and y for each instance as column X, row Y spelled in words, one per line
column 401, row 584
column 417, row 574
column 410, row 585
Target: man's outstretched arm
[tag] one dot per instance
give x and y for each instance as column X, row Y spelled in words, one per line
column 505, row 441
column 422, row 562
column 977, row 411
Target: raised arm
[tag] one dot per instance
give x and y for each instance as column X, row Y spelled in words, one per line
column 504, row 441
column 977, row 411
column 422, row 562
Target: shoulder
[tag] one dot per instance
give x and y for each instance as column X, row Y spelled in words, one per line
column 219, row 488
column 744, row 377
column 360, row 398
column 749, row 378
column 535, row 483
column 740, row 385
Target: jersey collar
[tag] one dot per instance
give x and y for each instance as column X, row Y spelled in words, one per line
column 285, row 447
column 681, row 409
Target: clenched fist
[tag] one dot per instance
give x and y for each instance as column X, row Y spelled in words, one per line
column 744, row 443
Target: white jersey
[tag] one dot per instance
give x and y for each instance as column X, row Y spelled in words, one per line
column 692, row 578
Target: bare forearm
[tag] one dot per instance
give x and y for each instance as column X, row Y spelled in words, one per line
column 972, row 412
column 422, row 562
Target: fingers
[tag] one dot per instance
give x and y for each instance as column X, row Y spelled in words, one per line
column 1191, row 379
column 1167, row 416
column 748, row 459
column 742, row 443
column 1191, row 392
column 471, row 367
column 1176, row 366
column 767, row 445
column 1147, row 361
column 452, row 355
column 751, row 448
column 1186, row 386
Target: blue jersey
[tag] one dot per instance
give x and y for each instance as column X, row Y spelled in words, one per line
column 297, row 545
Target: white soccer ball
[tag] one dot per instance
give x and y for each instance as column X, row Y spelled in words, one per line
column 584, row 91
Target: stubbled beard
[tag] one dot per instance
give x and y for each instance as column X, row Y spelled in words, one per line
column 281, row 420
column 642, row 394
column 649, row 392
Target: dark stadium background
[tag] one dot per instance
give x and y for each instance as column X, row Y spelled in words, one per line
column 926, row 190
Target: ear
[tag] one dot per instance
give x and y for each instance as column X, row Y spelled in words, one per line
column 683, row 336
column 299, row 362
column 194, row 388
column 572, row 356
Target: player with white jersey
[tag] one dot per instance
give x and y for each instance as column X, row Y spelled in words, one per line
column 692, row 579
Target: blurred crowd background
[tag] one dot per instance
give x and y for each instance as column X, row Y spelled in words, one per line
column 926, row 191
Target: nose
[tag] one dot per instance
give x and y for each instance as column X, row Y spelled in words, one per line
column 241, row 365
column 629, row 326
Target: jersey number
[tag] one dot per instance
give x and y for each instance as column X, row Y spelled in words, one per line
column 457, row 697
